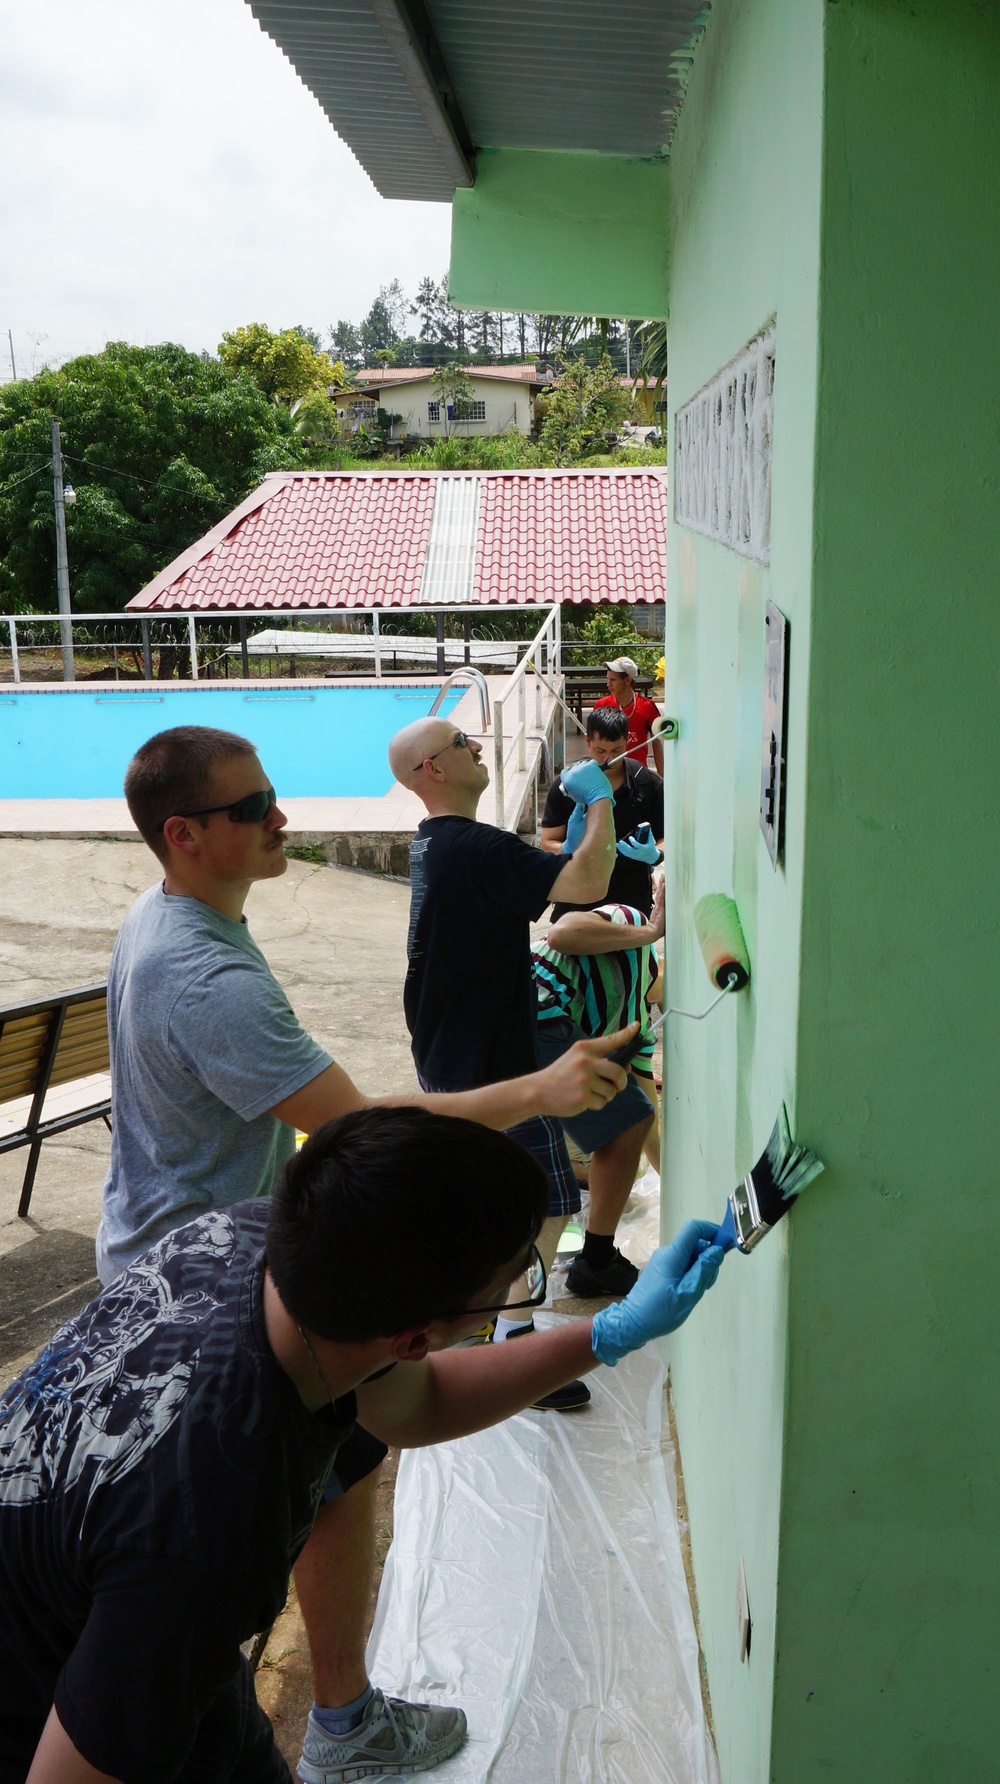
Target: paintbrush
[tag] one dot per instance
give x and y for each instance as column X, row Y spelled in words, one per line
column 768, row 1191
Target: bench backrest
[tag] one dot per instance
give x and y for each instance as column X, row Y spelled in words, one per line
column 75, row 1025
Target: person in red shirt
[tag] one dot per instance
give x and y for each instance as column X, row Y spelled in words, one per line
column 639, row 711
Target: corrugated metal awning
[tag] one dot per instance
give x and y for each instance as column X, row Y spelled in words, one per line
column 416, row 87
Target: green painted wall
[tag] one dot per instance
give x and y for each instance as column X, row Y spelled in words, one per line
column 837, row 1398
column 890, row 1542
column 577, row 234
column 744, row 220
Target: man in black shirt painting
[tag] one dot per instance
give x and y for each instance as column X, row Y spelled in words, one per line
column 469, row 998
column 638, row 801
column 162, row 1461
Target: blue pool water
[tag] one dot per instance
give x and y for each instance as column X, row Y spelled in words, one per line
column 311, row 740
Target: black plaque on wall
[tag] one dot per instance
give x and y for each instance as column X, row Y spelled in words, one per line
column 772, row 763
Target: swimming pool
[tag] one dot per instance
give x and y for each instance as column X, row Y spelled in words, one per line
column 313, row 739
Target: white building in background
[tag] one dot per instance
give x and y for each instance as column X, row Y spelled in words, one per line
column 502, row 399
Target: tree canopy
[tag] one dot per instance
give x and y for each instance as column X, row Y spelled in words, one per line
column 159, row 444
column 582, row 413
column 283, row 365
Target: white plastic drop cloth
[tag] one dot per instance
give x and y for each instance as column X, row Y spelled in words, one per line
column 536, row 1579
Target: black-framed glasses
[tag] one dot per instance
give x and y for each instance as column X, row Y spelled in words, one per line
column 537, row 1284
column 459, row 742
column 251, row 809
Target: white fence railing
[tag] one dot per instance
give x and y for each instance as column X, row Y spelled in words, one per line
column 544, row 657
column 209, row 642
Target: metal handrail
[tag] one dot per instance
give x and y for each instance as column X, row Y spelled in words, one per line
column 549, row 636
column 478, row 680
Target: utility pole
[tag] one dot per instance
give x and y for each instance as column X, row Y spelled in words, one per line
column 13, row 367
column 62, row 559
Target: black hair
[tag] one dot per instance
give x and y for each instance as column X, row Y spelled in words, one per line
column 389, row 1217
column 172, row 772
column 607, row 722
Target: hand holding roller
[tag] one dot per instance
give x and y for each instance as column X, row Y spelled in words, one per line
column 720, row 937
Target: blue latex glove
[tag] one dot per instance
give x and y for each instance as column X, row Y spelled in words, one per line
column 585, row 782
column 640, row 846
column 670, row 1286
column 575, row 829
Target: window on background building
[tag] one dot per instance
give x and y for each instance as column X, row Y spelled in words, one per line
column 363, row 411
column 471, row 411
column 659, row 408
column 434, row 411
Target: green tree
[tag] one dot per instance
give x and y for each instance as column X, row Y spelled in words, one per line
column 583, row 411
column 284, row 365
column 345, row 344
column 160, row 443
column 453, row 390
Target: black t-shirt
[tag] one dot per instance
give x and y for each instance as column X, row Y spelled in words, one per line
column 158, row 1476
column 469, row 996
column 639, row 800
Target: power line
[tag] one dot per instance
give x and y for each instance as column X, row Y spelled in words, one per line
column 4, row 487
column 91, row 464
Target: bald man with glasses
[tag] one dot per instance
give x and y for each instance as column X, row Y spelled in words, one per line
column 469, row 997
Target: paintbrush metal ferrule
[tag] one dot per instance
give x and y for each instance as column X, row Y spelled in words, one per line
column 768, row 1191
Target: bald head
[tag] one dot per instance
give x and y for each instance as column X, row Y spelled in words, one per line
column 446, row 774
column 410, row 748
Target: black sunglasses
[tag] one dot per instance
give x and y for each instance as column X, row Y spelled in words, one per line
column 251, row 809
column 537, row 1281
column 459, row 742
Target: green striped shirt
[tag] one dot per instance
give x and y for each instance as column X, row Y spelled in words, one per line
column 599, row 992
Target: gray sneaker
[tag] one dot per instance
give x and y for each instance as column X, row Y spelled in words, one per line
column 396, row 1738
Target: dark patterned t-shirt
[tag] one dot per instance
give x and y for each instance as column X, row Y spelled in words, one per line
column 158, row 1476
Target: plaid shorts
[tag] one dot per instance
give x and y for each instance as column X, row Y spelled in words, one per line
column 544, row 1139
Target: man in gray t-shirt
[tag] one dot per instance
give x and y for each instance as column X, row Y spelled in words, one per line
column 211, row 1074
column 203, row 1044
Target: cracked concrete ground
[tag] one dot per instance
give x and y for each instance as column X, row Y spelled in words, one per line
column 334, row 938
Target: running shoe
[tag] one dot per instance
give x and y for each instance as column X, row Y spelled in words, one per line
column 396, row 1738
column 615, row 1279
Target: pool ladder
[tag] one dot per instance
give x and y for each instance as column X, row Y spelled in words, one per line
column 476, row 679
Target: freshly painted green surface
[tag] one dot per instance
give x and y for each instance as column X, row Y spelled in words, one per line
column 890, row 1541
column 578, row 234
column 837, row 1398
column 744, row 221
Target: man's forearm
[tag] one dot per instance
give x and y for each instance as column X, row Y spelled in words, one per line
column 587, row 873
column 585, row 934
column 468, row 1390
column 493, row 1105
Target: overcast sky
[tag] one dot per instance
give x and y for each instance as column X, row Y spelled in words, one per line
column 167, row 176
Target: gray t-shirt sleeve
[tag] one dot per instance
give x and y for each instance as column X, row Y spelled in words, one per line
column 234, row 1030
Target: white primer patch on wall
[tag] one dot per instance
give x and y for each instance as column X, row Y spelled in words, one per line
column 722, row 454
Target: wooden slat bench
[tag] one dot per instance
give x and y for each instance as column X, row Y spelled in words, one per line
column 54, row 1072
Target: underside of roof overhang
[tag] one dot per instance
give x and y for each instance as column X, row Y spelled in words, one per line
column 418, row 88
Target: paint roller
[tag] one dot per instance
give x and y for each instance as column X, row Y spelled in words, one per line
column 661, row 727
column 724, row 950
column 784, row 1168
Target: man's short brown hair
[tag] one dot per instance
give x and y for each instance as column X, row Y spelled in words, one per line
column 172, row 773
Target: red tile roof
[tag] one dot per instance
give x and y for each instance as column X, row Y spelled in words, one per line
column 406, row 374
column 359, row 539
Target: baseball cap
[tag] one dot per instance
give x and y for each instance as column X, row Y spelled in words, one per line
column 623, row 666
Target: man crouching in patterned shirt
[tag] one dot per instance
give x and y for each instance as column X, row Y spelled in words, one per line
column 162, row 1461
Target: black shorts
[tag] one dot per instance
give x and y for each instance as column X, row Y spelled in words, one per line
column 359, row 1456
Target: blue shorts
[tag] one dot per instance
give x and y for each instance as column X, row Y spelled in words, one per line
column 595, row 1127
column 543, row 1137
